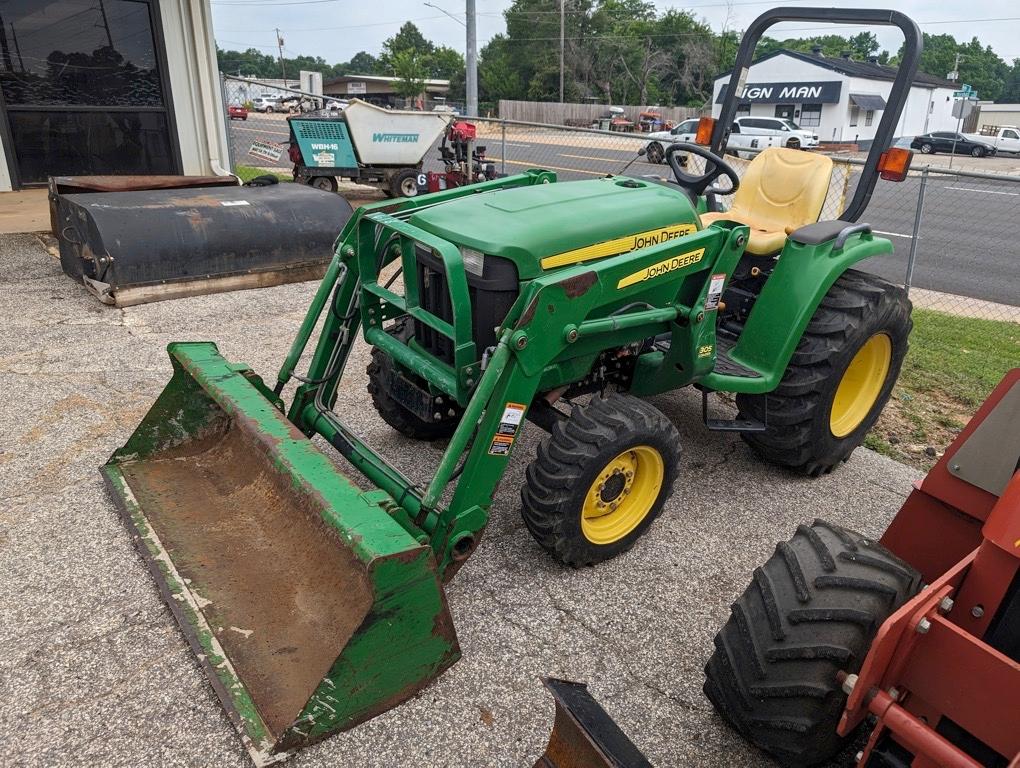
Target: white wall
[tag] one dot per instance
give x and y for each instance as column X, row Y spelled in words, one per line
column 194, row 86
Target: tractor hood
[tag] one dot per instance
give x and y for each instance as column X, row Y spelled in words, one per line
column 553, row 225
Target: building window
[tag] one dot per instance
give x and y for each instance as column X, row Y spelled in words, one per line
column 810, row 115
column 869, row 117
column 855, row 115
column 784, row 111
column 743, row 110
column 83, row 88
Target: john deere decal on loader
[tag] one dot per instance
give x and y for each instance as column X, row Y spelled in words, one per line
column 315, row 605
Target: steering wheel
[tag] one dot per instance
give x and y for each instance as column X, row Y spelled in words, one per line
column 715, row 167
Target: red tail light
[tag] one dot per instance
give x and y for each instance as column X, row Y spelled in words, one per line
column 294, row 153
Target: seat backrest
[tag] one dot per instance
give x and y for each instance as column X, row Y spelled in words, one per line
column 783, row 188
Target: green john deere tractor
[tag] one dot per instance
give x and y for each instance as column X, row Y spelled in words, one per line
column 315, row 605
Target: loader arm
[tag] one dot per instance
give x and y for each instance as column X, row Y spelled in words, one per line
column 555, row 330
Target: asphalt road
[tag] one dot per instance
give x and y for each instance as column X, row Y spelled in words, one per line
column 967, row 244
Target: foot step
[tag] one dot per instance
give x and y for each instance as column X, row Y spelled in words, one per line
column 731, row 425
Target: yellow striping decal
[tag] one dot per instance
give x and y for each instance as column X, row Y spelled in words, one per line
column 619, row 245
column 662, row 267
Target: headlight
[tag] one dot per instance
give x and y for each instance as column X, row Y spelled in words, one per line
column 474, row 261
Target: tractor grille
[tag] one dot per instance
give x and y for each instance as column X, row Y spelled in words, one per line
column 491, row 294
column 434, row 297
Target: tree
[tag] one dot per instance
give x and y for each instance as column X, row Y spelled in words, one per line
column 497, row 76
column 410, row 72
column 362, row 63
column 444, row 63
column 408, row 38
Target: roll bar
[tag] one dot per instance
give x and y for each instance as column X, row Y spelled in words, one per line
column 894, row 104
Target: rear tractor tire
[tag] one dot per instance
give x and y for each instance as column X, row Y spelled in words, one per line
column 839, row 378
column 810, row 612
column 600, row 479
column 395, row 413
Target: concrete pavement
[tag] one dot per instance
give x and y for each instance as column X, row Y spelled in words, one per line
column 95, row 672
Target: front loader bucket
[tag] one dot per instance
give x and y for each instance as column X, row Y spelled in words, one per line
column 310, row 608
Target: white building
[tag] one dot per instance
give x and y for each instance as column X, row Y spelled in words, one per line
column 108, row 87
column 839, row 98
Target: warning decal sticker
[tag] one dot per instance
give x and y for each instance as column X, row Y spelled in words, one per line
column 509, row 422
column 715, row 290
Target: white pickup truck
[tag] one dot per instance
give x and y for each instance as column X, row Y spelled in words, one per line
column 1005, row 138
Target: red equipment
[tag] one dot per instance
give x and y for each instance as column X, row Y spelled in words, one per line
column 836, row 629
column 453, row 151
column 943, row 672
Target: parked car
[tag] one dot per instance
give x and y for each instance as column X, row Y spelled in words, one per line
column 950, row 141
column 659, row 140
column 237, row 112
column 781, row 132
column 1005, row 138
column 337, row 104
column 265, row 104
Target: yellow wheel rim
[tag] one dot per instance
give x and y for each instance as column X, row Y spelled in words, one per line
column 622, row 495
column 860, row 386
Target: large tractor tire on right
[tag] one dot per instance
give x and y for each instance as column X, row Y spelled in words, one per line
column 811, row 611
column 840, row 377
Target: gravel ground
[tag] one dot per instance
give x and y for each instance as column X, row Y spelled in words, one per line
column 95, row 672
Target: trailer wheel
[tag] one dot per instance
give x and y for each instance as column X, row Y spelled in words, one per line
column 839, row 378
column 404, row 183
column 654, row 153
column 394, row 413
column 810, row 612
column 600, row 479
column 325, row 183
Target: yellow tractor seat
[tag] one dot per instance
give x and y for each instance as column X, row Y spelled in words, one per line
column 782, row 191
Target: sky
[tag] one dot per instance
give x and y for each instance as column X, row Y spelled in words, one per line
column 337, row 29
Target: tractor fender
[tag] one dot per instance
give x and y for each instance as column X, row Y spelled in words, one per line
column 803, row 275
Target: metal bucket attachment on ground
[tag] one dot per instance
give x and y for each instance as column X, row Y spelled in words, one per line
column 132, row 247
column 310, row 608
column 584, row 735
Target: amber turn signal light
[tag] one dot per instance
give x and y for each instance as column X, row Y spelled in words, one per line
column 704, row 135
column 894, row 164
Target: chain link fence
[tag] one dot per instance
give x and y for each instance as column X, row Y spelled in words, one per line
column 955, row 250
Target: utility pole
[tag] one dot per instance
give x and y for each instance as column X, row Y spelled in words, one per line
column 4, row 48
column 106, row 23
column 17, row 48
column 279, row 45
column 563, row 5
column 472, row 60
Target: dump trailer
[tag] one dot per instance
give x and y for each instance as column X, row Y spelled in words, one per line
column 917, row 633
column 314, row 604
column 167, row 237
column 380, row 147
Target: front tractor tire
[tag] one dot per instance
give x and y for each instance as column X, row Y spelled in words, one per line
column 839, row 378
column 810, row 612
column 600, row 479
column 380, row 370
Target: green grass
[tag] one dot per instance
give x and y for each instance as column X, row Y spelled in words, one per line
column 961, row 357
column 952, row 365
column 246, row 173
